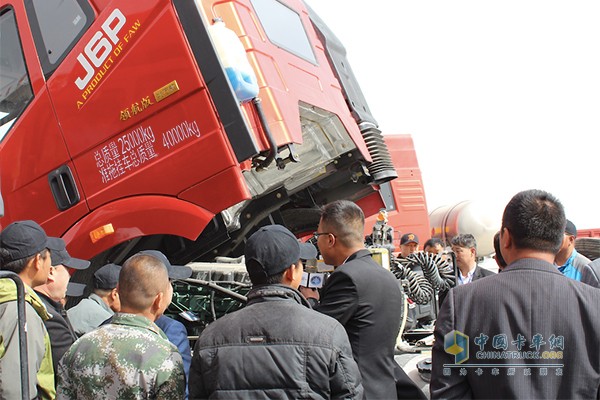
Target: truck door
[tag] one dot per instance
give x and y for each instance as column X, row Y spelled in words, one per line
column 38, row 179
column 135, row 112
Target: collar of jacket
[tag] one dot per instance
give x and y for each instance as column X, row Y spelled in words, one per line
column 98, row 300
column 137, row 321
column 8, row 292
column 275, row 292
column 533, row 264
column 359, row 254
column 49, row 302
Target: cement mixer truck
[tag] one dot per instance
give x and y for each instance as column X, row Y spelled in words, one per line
column 467, row 216
column 406, row 205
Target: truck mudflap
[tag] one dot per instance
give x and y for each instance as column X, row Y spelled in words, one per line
column 382, row 169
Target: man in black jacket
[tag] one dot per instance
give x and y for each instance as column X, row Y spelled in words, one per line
column 275, row 347
column 362, row 296
column 61, row 333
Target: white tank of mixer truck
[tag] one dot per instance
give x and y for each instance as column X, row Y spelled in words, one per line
column 474, row 217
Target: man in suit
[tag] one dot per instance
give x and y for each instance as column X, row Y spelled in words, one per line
column 591, row 274
column 362, row 295
column 529, row 332
column 464, row 247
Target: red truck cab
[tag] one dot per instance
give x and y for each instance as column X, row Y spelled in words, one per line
column 119, row 129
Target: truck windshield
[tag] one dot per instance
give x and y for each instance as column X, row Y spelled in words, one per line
column 15, row 89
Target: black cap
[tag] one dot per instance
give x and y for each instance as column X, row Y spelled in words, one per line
column 175, row 271
column 570, row 229
column 23, row 239
column 409, row 238
column 107, row 277
column 75, row 289
column 272, row 249
column 60, row 255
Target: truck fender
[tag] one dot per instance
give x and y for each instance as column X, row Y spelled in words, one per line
column 135, row 217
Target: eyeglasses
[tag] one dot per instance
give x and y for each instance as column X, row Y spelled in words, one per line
column 317, row 234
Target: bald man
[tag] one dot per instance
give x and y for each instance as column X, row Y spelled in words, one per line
column 130, row 357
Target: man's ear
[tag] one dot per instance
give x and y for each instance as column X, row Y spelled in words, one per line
column 289, row 272
column 331, row 239
column 158, row 303
column 505, row 239
column 38, row 262
column 292, row 273
column 52, row 274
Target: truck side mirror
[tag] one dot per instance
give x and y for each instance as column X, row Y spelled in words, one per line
column 1, row 206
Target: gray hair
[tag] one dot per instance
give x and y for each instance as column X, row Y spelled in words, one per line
column 464, row 240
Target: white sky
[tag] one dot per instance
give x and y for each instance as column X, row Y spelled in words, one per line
column 499, row 96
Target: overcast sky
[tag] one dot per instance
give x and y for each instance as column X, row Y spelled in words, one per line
column 499, row 96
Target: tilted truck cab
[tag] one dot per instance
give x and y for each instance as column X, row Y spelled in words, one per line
column 119, row 128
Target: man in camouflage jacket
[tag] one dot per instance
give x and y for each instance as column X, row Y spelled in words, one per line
column 131, row 357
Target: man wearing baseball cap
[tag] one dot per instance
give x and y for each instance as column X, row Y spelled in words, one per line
column 53, row 292
column 409, row 243
column 568, row 260
column 101, row 305
column 24, row 251
column 175, row 271
column 275, row 347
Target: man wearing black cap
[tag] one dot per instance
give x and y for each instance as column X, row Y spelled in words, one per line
column 409, row 243
column 275, row 347
column 24, row 251
column 62, row 335
column 568, row 260
column 90, row 313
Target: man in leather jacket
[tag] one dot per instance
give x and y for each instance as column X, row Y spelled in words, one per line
column 275, row 347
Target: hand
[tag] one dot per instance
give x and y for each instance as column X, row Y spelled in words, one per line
column 309, row 292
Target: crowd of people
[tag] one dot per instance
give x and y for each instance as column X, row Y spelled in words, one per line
column 530, row 331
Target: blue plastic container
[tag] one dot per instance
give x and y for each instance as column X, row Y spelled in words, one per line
column 233, row 57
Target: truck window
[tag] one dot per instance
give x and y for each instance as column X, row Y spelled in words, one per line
column 284, row 28
column 15, row 89
column 56, row 26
